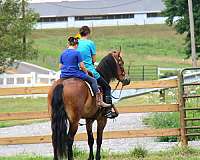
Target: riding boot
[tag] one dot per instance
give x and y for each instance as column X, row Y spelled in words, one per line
column 109, row 113
column 100, row 102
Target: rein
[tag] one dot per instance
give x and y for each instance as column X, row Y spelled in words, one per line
column 118, row 84
column 119, row 73
column 116, row 89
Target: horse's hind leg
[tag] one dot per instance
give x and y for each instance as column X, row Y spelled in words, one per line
column 55, row 154
column 101, row 123
column 90, row 137
column 70, row 139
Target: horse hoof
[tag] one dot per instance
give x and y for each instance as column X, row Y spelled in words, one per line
column 98, row 158
column 91, row 158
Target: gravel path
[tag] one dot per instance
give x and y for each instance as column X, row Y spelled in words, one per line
column 123, row 122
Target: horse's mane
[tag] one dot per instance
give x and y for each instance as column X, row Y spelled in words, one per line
column 107, row 68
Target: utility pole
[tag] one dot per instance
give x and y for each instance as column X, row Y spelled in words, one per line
column 23, row 16
column 193, row 47
column 1, row 6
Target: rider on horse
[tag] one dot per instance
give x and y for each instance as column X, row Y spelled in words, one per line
column 70, row 64
column 88, row 51
column 69, row 100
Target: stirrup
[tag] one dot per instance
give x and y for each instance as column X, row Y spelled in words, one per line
column 111, row 115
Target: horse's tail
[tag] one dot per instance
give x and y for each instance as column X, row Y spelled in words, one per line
column 59, row 123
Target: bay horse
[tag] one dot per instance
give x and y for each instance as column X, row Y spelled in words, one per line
column 70, row 100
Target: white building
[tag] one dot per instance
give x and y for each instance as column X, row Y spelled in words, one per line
column 95, row 13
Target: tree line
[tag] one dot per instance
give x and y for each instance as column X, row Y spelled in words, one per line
column 15, row 23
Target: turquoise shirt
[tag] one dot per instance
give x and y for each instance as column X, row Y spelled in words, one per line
column 88, row 49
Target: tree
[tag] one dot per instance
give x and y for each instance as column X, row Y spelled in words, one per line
column 178, row 16
column 13, row 28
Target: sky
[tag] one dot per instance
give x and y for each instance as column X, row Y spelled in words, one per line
column 39, row 1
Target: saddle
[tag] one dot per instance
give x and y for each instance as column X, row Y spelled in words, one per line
column 89, row 86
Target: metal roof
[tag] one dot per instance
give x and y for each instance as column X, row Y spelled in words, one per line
column 96, row 7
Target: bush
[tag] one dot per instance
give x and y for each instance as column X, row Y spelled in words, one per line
column 79, row 153
column 164, row 120
column 139, row 152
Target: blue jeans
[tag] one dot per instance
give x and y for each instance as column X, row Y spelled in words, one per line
column 93, row 82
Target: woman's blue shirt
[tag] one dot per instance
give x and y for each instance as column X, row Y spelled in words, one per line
column 70, row 60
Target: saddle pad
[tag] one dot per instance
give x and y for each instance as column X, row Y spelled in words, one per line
column 90, row 88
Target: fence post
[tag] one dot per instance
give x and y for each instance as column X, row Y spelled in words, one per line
column 4, row 79
column 184, row 139
column 15, row 81
column 143, row 72
column 50, row 77
column 33, row 78
column 162, row 95
column 158, row 72
column 25, row 80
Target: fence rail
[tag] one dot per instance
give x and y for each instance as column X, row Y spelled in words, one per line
column 43, row 89
column 173, row 83
column 125, row 109
column 83, row 136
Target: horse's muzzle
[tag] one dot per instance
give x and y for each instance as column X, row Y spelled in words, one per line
column 126, row 81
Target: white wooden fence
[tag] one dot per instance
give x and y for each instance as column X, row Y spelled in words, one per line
column 31, row 79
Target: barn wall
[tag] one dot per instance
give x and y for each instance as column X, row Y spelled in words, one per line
column 139, row 19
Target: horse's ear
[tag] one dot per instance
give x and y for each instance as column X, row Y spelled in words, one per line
column 120, row 53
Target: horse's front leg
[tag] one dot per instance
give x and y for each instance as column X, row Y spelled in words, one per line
column 70, row 139
column 90, row 137
column 101, row 123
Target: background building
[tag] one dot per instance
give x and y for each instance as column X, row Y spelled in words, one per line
column 98, row 13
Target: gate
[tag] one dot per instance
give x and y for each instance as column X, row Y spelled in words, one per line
column 143, row 72
column 190, row 124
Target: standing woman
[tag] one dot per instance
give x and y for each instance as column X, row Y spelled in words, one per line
column 88, row 52
column 72, row 66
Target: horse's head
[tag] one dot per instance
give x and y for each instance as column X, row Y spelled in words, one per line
column 120, row 74
column 112, row 67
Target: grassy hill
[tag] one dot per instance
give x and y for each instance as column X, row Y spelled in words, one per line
column 142, row 45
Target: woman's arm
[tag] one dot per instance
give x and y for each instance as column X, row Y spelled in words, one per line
column 82, row 66
column 93, row 58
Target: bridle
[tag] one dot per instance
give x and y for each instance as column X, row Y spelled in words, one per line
column 120, row 73
column 120, row 66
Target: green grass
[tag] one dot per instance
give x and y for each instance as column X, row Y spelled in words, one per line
column 23, row 104
column 142, row 45
column 9, row 105
column 151, row 98
column 164, row 120
column 174, row 154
